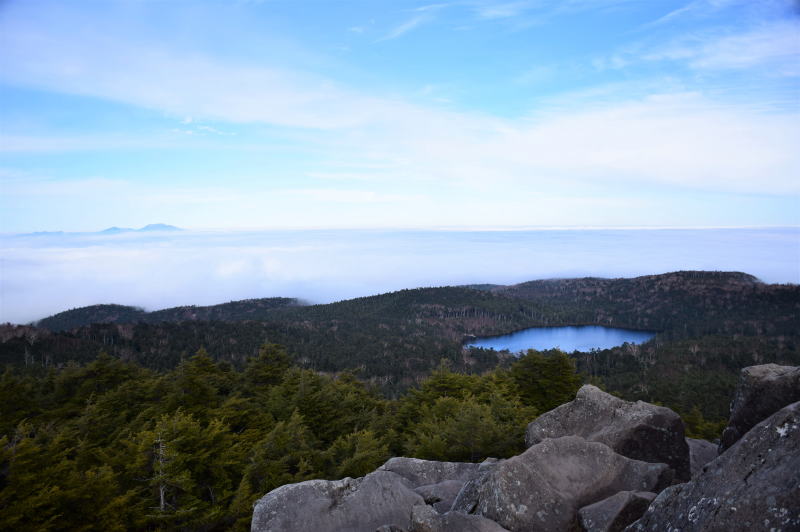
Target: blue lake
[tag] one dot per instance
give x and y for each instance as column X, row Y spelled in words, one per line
column 568, row 339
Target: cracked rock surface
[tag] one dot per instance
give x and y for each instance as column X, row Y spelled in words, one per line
column 425, row 472
column 543, row 488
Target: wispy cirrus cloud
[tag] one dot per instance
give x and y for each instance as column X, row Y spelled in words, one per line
column 421, row 15
column 503, row 10
column 405, row 27
column 692, row 8
column 669, row 139
column 180, row 83
column 771, row 47
column 539, row 10
column 707, row 9
column 775, row 46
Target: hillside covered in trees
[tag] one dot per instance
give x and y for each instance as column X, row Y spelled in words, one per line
column 111, row 445
column 248, row 309
column 709, row 325
column 677, row 305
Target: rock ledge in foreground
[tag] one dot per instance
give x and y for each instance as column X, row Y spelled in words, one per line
column 754, row 485
column 639, row 430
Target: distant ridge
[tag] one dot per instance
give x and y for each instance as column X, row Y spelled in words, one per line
column 160, row 227
column 248, row 309
column 146, row 228
column 113, row 230
column 645, row 303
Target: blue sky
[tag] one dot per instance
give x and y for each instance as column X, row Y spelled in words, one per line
column 474, row 113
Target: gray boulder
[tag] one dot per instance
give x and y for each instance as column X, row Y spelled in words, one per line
column 426, row 519
column 361, row 504
column 701, row 452
column 754, row 485
column 762, row 391
column 437, row 482
column 616, row 512
column 543, row 488
column 636, row 430
column 424, row 472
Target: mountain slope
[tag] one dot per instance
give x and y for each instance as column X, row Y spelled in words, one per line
column 678, row 304
column 709, row 325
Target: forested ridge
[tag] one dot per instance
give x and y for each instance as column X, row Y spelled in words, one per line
column 248, row 309
column 708, row 323
column 677, row 305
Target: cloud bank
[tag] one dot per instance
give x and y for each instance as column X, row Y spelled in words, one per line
column 45, row 274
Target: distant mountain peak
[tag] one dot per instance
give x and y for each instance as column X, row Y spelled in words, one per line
column 150, row 227
column 160, row 227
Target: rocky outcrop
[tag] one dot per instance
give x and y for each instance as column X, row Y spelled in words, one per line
column 384, row 498
column 437, row 482
column 616, row 512
column 701, row 452
column 362, row 504
column 426, row 519
column 754, row 485
column 637, row 430
column 543, row 488
column 762, row 391
column 594, row 463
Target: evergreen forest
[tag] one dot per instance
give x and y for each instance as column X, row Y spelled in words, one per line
column 110, row 445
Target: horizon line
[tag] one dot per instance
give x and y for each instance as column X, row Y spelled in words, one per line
column 488, row 228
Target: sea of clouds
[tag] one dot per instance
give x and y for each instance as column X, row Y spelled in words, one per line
column 41, row 274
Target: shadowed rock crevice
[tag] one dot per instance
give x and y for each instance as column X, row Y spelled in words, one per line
column 701, row 452
column 762, row 390
column 616, row 512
